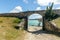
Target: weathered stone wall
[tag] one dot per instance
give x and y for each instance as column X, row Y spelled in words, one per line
column 21, row 24
column 28, row 13
column 50, row 27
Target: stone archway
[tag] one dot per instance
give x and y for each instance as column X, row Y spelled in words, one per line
column 25, row 16
column 35, row 21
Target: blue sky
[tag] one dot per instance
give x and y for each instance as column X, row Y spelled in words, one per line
column 7, row 6
column 25, row 5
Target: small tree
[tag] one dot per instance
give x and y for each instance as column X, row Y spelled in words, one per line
column 49, row 14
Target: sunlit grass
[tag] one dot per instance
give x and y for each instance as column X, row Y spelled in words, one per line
column 7, row 30
column 57, row 22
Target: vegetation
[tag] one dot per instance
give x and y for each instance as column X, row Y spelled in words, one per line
column 57, row 22
column 49, row 14
column 7, row 30
column 17, row 20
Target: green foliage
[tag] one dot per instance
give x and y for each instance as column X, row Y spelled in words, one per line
column 49, row 14
column 17, row 21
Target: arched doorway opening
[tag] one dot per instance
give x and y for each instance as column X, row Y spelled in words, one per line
column 35, row 22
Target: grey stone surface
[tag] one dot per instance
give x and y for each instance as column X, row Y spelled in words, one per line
column 28, row 13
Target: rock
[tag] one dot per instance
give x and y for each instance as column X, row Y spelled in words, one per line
column 53, row 23
column 16, row 27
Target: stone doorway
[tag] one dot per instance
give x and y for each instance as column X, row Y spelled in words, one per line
column 35, row 22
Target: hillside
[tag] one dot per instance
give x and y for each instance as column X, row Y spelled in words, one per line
column 56, row 22
column 7, row 30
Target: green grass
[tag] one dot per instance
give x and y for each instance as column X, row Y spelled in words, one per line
column 7, row 30
column 17, row 20
column 57, row 22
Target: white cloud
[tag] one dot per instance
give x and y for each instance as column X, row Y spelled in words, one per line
column 17, row 9
column 38, row 8
column 46, row 2
column 35, row 16
column 26, row 1
column 58, row 8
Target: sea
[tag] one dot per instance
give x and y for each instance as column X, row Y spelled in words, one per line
column 34, row 23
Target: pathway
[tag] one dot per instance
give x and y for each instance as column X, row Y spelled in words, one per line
column 36, row 34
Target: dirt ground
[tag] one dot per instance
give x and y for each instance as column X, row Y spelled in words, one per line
column 35, row 33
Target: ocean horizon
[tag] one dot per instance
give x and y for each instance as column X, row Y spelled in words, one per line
column 34, row 23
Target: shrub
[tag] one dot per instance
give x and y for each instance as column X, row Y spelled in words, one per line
column 49, row 14
column 17, row 21
column 16, row 27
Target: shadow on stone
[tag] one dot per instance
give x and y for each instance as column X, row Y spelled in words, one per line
column 44, row 32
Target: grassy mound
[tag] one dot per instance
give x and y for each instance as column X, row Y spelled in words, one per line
column 7, row 30
column 57, row 22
